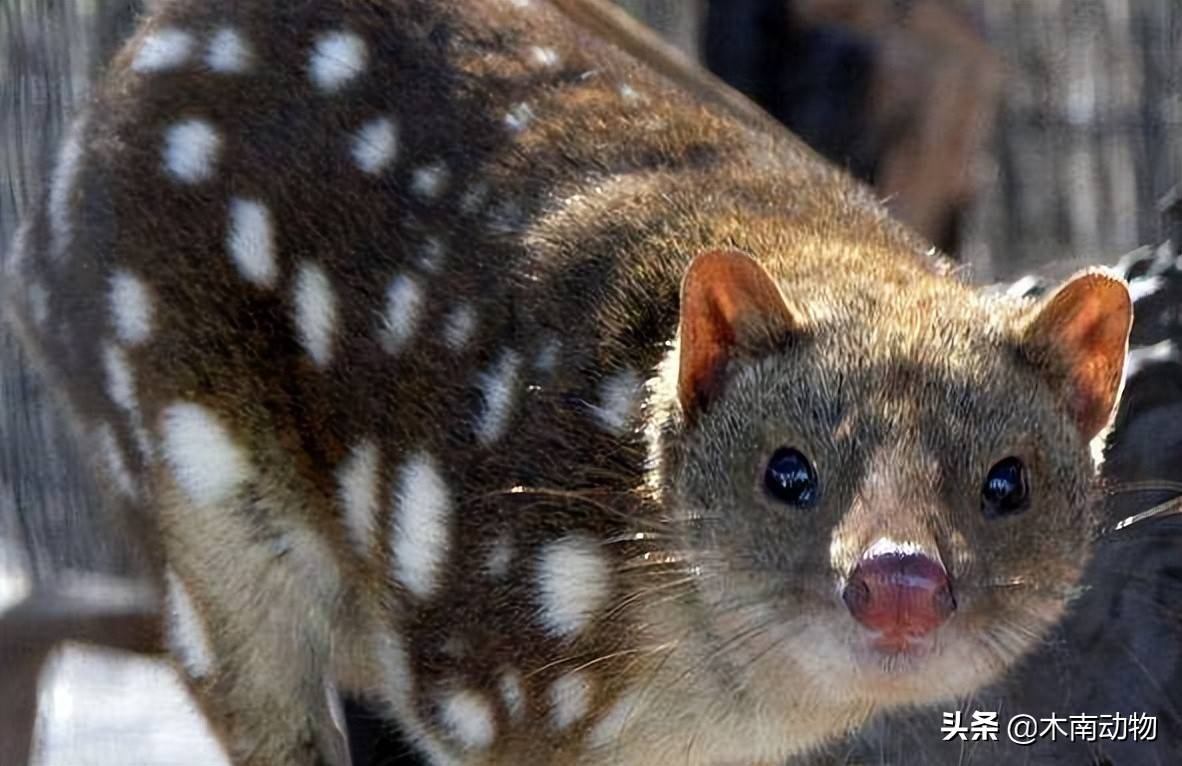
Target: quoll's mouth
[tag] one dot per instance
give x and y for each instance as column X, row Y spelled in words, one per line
column 901, row 646
column 901, row 598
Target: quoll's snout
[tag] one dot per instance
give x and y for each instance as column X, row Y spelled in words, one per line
column 901, row 595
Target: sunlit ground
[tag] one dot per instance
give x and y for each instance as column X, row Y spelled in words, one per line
column 100, row 707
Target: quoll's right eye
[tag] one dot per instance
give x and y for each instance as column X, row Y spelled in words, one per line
column 1005, row 491
column 790, row 478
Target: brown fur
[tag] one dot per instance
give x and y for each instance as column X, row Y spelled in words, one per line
column 902, row 383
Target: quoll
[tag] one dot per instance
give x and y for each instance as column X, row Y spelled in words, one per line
column 451, row 356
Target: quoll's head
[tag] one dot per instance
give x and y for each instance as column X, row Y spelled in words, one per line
column 887, row 497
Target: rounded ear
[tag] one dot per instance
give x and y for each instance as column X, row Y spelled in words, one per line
column 1079, row 336
column 729, row 304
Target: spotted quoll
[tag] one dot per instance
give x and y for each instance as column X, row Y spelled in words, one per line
column 448, row 355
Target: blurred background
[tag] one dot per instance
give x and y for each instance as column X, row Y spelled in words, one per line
column 1024, row 137
column 1018, row 134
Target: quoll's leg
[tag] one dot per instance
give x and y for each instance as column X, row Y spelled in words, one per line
column 249, row 621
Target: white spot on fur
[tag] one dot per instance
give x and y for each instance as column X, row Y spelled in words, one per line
column 186, row 635
column 519, row 117
column 315, row 312
column 375, row 145
column 120, row 384
column 512, row 692
column 38, row 300
column 497, row 387
column 619, row 398
column 115, row 461
column 547, row 357
column 208, row 464
column 142, row 441
column 166, row 48
column 432, row 253
column 500, row 556
column 469, row 718
column 131, row 308
column 358, row 482
column 336, row 58
column 573, row 583
column 570, row 698
column 404, row 308
column 429, row 181
column 458, row 327
column 251, row 241
column 547, row 57
column 227, row 52
column 610, row 728
column 422, row 525
column 121, row 389
column 61, row 189
column 191, row 150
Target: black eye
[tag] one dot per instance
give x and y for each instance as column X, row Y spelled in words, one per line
column 790, row 479
column 1005, row 492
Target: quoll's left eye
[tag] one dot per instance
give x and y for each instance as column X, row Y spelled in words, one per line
column 790, row 479
column 1005, row 491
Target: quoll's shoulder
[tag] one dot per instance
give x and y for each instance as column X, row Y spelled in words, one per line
column 330, row 188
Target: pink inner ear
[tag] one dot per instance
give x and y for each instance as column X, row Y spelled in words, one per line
column 1086, row 325
column 727, row 301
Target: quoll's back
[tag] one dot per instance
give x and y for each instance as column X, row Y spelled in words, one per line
column 368, row 312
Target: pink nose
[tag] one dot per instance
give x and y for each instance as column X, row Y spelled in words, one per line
column 903, row 595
